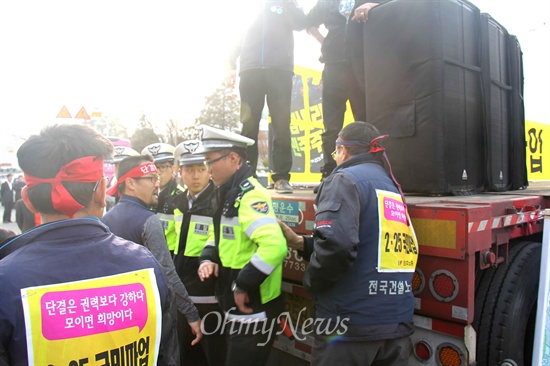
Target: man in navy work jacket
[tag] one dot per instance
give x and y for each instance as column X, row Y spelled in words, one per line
column 65, row 284
column 362, row 257
column 133, row 219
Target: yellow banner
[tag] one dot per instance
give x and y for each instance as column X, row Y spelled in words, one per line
column 398, row 247
column 538, row 163
column 101, row 321
column 306, row 126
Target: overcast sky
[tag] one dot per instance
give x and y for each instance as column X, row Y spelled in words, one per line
column 161, row 57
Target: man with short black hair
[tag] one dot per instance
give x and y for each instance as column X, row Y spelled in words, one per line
column 355, row 275
column 132, row 218
column 64, row 283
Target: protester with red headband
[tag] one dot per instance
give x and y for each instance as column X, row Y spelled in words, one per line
column 362, row 257
column 132, row 218
column 65, row 281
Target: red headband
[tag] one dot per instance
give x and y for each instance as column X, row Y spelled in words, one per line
column 88, row 169
column 138, row 171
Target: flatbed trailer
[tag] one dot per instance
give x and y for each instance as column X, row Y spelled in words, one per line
column 475, row 285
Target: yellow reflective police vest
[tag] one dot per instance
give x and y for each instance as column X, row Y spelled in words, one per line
column 254, row 236
column 169, row 225
column 197, row 234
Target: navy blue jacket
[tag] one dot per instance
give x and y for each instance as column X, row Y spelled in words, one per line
column 343, row 256
column 269, row 41
column 132, row 220
column 67, row 251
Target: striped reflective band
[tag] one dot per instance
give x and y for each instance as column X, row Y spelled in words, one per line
column 504, row 221
column 201, row 219
column 230, row 221
column 252, row 318
column 210, row 243
column 259, row 223
column 261, row 265
column 165, row 217
column 204, row 299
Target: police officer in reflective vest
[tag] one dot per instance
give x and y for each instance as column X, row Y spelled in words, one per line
column 245, row 249
column 193, row 215
column 163, row 156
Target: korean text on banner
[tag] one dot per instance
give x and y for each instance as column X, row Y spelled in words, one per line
column 106, row 318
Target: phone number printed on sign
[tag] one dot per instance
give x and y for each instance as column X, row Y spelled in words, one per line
column 287, row 212
column 398, row 247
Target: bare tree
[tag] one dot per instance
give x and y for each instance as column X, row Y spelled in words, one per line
column 221, row 109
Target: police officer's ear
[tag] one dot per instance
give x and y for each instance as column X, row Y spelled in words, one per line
column 235, row 158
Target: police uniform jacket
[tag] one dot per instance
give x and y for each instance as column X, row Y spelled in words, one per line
column 192, row 232
column 132, row 220
column 343, row 256
column 165, row 212
column 247, row 242
column 66, row 251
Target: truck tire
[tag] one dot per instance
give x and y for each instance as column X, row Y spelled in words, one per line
column 505, row 309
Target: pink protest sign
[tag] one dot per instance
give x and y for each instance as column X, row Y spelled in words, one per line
column 77, row 313
column 394, row 210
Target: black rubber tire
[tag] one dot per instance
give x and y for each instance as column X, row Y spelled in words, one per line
column 506, row 301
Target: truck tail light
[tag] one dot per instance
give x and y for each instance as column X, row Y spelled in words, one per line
column 418, row 282
column 443, row 285
column 423, row 351
column 449, row 355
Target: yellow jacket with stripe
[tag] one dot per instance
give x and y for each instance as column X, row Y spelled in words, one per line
column 192, row 232
column 247, row 242
column 165, row 212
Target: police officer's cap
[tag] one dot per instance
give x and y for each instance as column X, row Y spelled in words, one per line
column 160, row 152
column 184, row 153
column 214, row 139
column 122, row 152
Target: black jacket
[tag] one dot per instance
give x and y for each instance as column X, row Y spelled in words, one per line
column 7, row 194
column 344, row 40
column 269, row 42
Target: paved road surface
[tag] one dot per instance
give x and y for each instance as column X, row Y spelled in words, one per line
column 11, row 226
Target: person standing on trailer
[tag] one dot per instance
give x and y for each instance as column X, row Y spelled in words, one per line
column 266, row 68
column 343, row 74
